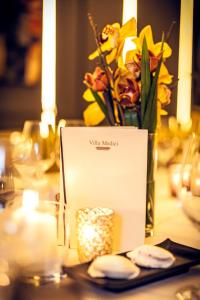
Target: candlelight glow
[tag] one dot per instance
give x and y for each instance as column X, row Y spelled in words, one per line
column 44, row 130
column 185, row 62
column 176, row 178
column 49, row 62
column 197, row 181
column 30, row 200
column 129, row 11
column 88, row 232
column 186, row 176
column 180, row 178
column 62, row 123
column 94, row 232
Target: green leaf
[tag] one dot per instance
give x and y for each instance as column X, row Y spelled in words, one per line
column 100, row 103
column 120, row 114
column 131, row 118
column 145, row 78
column 150, row 119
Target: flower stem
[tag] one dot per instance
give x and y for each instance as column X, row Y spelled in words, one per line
column 101, row 56
column 108, row 93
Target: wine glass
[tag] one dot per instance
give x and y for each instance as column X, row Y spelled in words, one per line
column 36, row 153
column 39, row 228
column 190, row 196
column 6, row 174
column 190, row 292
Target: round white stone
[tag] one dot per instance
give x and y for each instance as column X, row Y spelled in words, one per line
column 151, row 257
column 113, row 266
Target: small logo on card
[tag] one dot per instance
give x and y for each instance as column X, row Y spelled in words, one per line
column 102, row 148
column 103, row 144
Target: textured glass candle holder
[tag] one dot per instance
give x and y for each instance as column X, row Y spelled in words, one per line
column 94, row 232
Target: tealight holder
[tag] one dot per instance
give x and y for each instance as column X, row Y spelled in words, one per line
column 94, row 232
column 179, row 178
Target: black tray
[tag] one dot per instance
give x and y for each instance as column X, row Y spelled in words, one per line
column 186, row 257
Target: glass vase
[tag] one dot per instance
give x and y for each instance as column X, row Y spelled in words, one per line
column 150, row 187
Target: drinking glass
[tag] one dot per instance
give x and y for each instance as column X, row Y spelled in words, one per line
column 190, row 196
column 34, row 235
column 190, row 292
column 36, row 153
column 6, row 174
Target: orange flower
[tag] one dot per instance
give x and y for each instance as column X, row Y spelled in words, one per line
column 97, row 81
column 127, row 92
column 134, row 68
column 153, row 60
column 155, row 50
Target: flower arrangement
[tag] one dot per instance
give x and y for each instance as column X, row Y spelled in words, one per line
column 130, row 92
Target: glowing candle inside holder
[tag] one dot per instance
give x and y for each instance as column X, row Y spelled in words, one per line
column 36, row 223
column 180, row 178
column 94, row 232
column 195, row 181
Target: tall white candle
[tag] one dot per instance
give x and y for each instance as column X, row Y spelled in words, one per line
column 185, row 62
column 129, row 11
column 49, row 62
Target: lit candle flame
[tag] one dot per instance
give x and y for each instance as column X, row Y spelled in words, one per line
column 30, row 200
column 88, row 232
column 44, row 130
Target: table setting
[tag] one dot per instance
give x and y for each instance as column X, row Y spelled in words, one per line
column 92, row 208
column 171, row 222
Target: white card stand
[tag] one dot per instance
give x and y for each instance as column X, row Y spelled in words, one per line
column 106, row 167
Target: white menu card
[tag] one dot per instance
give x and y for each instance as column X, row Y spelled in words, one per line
column 106, row 167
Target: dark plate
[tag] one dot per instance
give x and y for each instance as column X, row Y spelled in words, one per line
column 186, row 257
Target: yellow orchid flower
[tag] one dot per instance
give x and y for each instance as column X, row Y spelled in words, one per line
column 163, row 94
column 112, row 39
column 164, row 76
column 115, row 93
column 155, row 49
column 93, row 115
column 88, row 96
column 160, row 112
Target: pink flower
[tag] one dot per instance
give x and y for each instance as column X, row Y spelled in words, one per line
column 97, row 81
column 134, row 68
